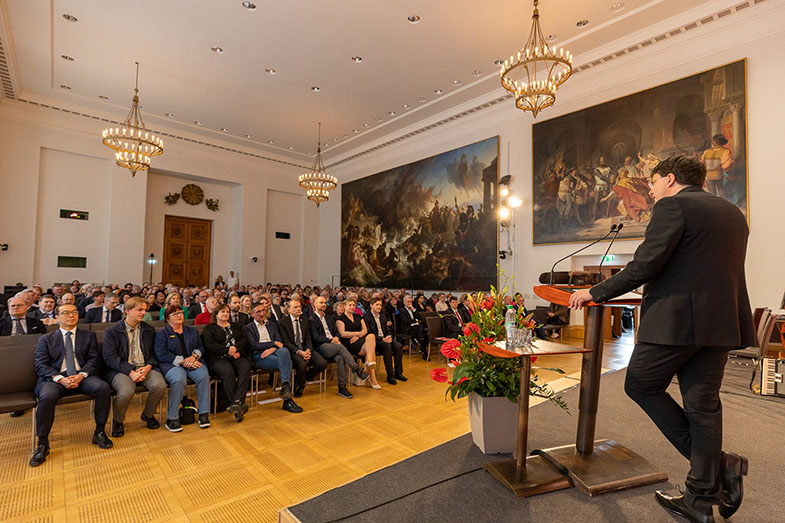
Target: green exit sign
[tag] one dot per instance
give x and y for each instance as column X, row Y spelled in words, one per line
column 609, row 258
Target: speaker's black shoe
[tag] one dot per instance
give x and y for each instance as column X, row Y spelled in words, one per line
column 102, row 440
column 152, row 423
column 118, row 430
column 17, row 413
column 732, row 469
column 678, row 506
column 39, row 456
column 291, row 406
column 401, row 377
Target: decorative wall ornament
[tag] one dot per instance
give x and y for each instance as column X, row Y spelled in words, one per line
column 192, row 194
column 171, row 198
column 212, row 204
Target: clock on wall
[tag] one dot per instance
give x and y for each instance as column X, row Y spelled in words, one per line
column 192, row 194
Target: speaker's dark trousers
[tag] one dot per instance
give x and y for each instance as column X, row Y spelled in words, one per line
column 696, row 429
column 49, row 393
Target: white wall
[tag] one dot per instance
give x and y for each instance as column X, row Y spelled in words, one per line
column 757, row 34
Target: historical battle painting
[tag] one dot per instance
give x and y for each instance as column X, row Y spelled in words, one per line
column 591, row 168
column 430, row 224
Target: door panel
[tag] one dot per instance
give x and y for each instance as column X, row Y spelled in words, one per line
column 186, row 251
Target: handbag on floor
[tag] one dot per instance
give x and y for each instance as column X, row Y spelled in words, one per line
column 187, row 411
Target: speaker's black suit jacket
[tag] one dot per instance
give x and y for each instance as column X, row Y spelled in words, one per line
column 692, row 262
column 34, row 326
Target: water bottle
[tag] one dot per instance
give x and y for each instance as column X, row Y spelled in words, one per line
column 509, row 325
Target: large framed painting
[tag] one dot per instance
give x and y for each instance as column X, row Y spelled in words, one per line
column 591, row 167
column 430, row 224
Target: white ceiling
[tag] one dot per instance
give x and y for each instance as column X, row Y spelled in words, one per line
column 308, row 43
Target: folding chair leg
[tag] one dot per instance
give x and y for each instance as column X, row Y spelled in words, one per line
column 34, row 427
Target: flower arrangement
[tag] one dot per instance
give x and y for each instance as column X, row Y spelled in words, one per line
column 487, row 375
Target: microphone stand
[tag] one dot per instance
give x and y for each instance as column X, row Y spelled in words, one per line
column 608, row 249
column 613, row 229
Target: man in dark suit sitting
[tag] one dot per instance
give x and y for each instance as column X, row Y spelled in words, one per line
column 296, row 335
column 695, row 308
column 65, row 361
column 18, row 322
column 268, row 352
column 390, row 349
column 107, row 313
column 129, row 360
column 235, row 316
column 46, row 310
column 199, row 306
column 412, row 325
column 453, row 321
column 326, row 342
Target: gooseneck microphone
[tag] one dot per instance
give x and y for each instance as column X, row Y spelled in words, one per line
column 609, row 248
column 614, row 228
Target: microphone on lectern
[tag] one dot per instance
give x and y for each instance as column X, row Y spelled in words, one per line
column 614, row 228
column 609, row 248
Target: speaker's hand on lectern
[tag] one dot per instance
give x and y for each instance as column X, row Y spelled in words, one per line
column 580, row 297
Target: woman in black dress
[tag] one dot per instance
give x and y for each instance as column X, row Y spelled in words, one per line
column 357, row 340
column 420, row 303
column 225, row 345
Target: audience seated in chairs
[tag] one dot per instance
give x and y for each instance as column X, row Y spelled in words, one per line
column 19, row 322
column 236, row 315
column 558, row 316
column 520, row 304
column 268, row 351
column 296, row 335
column 453, row 320
column 66, row 361
column 390, row 349
column 107, row 313
column 357, row 340
column 179, row 349
column 246, row 306
column 226, row 355
column 328, row 344
column 412, row 325
column 199, row 306
column 173, row 298
column 204, row 318
column 128, row 353
column 46, row 311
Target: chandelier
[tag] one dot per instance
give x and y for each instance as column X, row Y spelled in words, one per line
column 317, row 183
column 537, row 72
column 133, row 144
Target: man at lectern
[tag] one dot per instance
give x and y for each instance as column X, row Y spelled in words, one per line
column 695, row 308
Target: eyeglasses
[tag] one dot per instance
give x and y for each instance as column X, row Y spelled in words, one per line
column 652, row 182
column 68, row 313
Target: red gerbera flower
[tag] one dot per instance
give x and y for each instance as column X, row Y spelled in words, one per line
column 451, row 349
column 439, row 375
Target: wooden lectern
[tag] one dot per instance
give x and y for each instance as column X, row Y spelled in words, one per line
column 598, row 466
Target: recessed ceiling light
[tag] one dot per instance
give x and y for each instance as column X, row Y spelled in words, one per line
column 217, row 49
column 498, row 62
column 270, row 142
column 405, row 106
column 66, row 58
column 326, row 145
column 335, row 139
column 415, row 19
column 269, row 70
column 617, row 7
column 198, row 122
column 550, row 38
column 170, row 115
column 63, row 86
column 438, row 91
column 582, row 23
column 291, row 147
column 366, row 125
column 248, row 136
column 249, row 5
column 392, row 113
column 421, row 99
column 315, row 88
column 224, row 129
column 70, row 18
column 456, row 82
column 102, row 97
column 356, row 130
column 476, row 72
column 357, row 59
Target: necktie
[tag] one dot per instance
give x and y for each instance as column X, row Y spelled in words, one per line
column 459, row 318
column 106, row 319
column 298, row 339
column 17, row 330
column 326, row 328
column 234, row 317
column 70, row 362
column 379, row 326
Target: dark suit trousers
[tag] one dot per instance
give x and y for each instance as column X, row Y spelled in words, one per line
column 234, row 375
column 50, row 393
column 696, row 429
column 307, row 370
column 391, row 352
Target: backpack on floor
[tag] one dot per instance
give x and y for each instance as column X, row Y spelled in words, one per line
column 187, row 411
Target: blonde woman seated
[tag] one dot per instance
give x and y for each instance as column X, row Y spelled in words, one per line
column 173, row 298
column 357, row 340
column 246, row 305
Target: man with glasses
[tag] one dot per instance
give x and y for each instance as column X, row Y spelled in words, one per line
column 200, row 306
column 66, row 361
column 695, row 308
column 18, row 322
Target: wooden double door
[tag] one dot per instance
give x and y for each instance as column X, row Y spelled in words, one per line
column 186, row 251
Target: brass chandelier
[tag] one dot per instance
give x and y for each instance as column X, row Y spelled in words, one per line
column 317, row 183
column 133, row 144
column 537, row 72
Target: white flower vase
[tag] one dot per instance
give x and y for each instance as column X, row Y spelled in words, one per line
column 494, row 423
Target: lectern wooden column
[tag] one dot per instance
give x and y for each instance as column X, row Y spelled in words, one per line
column 604, row 465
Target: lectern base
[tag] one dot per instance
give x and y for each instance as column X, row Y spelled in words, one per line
column 538, row 477
column 610, row 467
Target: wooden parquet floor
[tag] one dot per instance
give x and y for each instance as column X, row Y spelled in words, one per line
column 236, row 472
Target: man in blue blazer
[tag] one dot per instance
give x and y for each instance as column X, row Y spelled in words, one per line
column 107, row 313
column 268, row 351
column 129, row 360
column 66, row 361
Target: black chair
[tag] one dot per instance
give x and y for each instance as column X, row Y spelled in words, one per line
column 436, row 334
column 405, row 339
column 17, row 384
